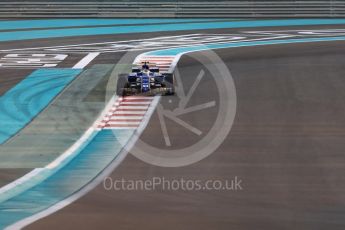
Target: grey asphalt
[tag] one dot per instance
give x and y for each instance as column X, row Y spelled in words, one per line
column 286, row 144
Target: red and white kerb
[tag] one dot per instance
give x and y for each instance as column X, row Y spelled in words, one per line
column 126, row 113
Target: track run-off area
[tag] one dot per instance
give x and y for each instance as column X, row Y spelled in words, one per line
column 63, row 129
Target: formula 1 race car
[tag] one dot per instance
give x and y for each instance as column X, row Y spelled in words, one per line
column 146, row 80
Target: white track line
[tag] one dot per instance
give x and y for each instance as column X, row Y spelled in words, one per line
column 120, row 127
column 137, row 102
column 137, row 98
column 124, row 122
column 107, row 171
column 130, row 112
column 134, row 107
column 126, row 117
column 85, row 61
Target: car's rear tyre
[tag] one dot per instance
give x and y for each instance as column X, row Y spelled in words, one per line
column 121, row 84
column 169, row 81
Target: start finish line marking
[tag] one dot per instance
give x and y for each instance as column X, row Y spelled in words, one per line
column 31, row 60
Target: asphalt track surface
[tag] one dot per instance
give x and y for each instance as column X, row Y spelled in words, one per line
column 286, row 144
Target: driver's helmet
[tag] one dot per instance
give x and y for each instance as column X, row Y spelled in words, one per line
column 145, row 66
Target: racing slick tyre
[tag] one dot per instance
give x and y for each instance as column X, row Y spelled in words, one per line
column 169, row 83
column 121, row 84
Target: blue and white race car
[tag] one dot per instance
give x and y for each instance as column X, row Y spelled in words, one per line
column 146, row 80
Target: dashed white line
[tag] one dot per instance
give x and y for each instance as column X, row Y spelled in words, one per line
column 86, row 60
